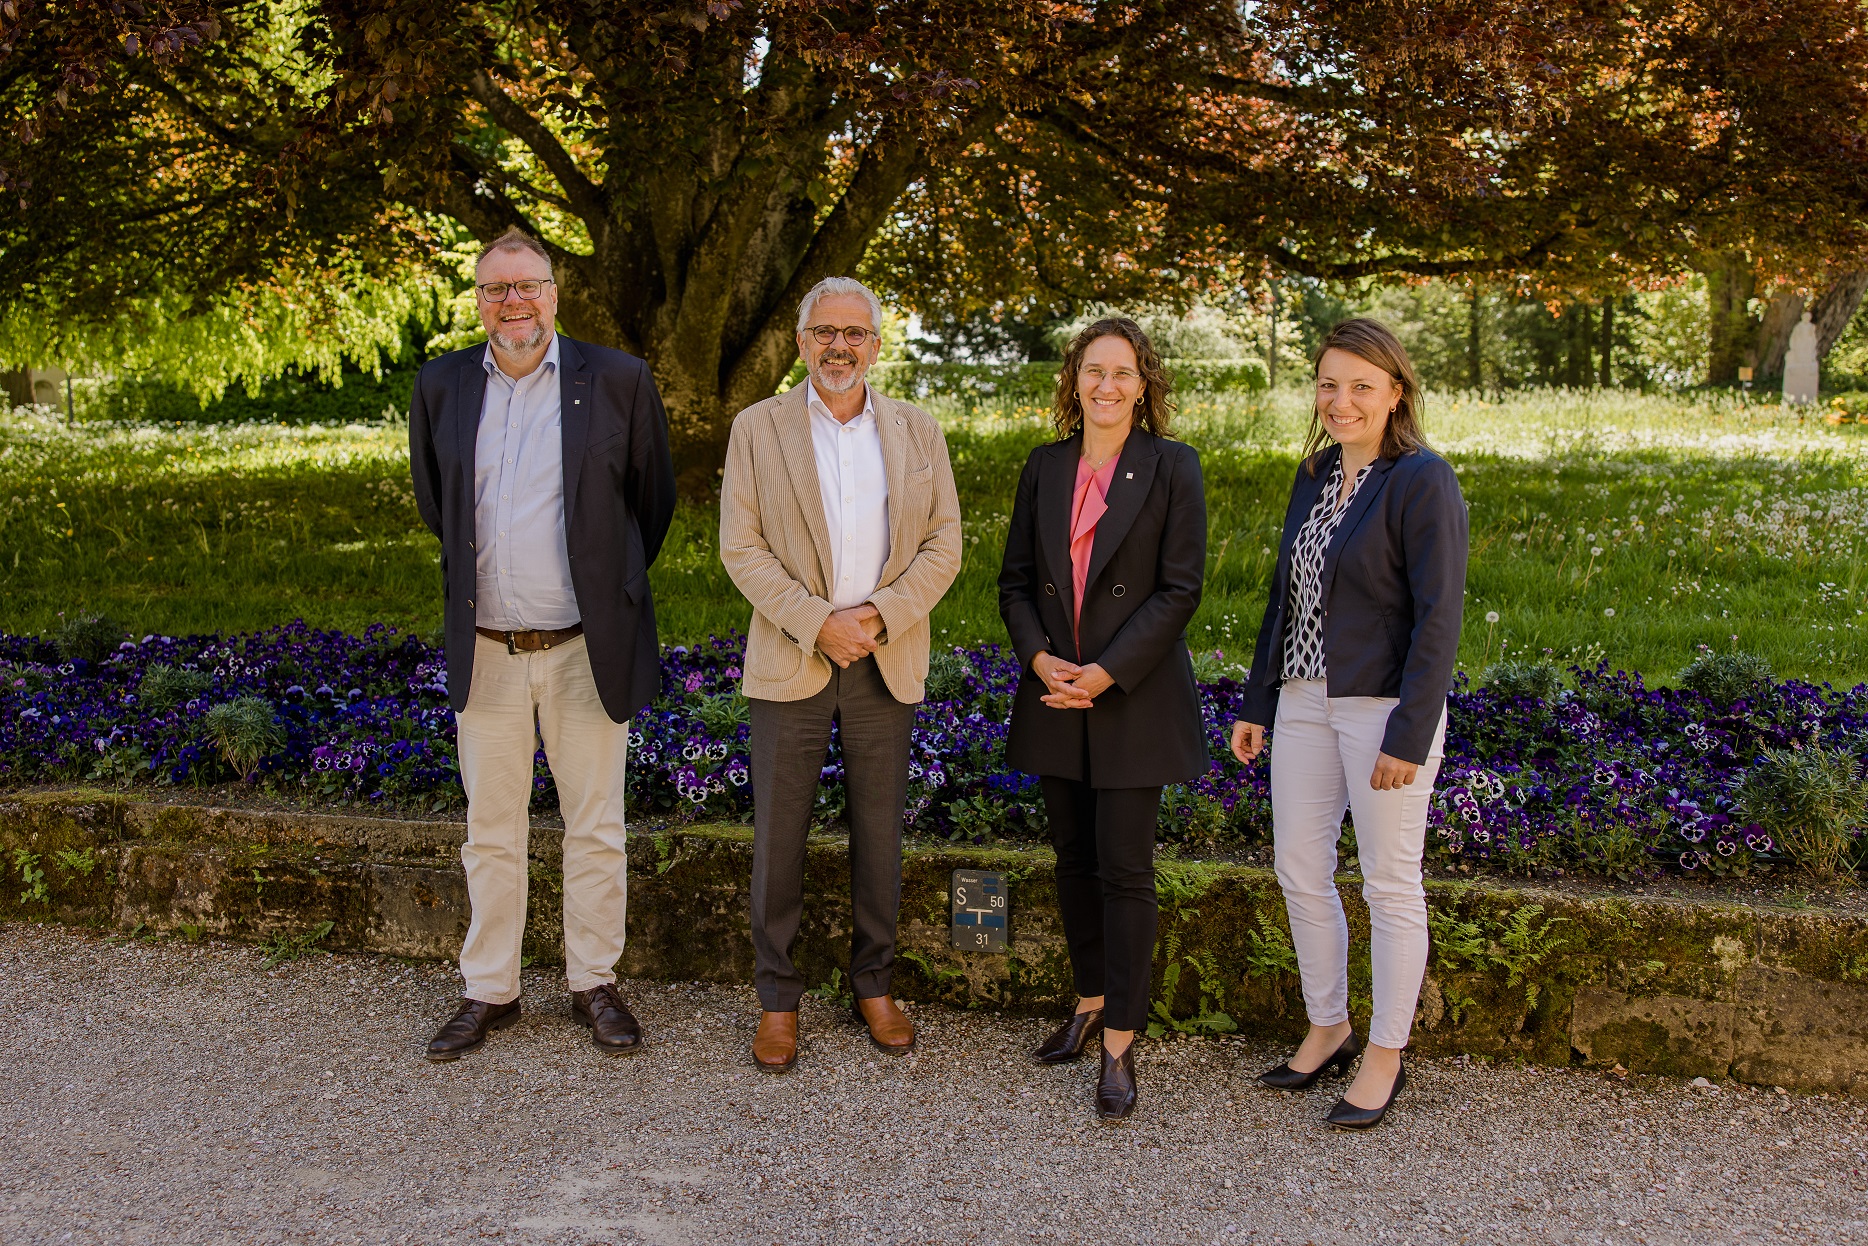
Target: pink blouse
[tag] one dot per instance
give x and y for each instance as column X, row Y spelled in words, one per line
column 1086, row 507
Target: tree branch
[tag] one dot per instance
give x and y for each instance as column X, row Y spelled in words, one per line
column 581, row 196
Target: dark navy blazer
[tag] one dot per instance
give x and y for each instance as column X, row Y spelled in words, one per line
column 1394, row 586
column 619, row 495
column 1147, row 565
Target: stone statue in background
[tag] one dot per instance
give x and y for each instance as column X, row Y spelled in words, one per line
column 1800, row 367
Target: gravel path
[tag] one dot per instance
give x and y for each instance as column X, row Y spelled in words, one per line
column 183, row 1093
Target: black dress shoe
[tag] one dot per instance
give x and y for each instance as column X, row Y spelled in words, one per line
column 1071, row 1038
column 1346, row 1115
column 613, row 1028
column 467, row 1029
column 1284, row 1077
column 1115, row 1086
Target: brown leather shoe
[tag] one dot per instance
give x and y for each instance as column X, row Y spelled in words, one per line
column 467, row 1029
column 775, row 1046
column 613, row 1028
column 889, row 1027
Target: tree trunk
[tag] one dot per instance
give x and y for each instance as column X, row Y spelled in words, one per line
column 1730, row 283
column 1831, row 313
column 1577, row 369
column 1475, row 360
column 1773, row 333
column 1836, row 306
column 1606, row 377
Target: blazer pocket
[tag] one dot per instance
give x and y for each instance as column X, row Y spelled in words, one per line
column 921, row 475
column 637, row 587
column 609, row 443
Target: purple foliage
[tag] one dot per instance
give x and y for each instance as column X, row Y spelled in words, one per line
column 1611, row 775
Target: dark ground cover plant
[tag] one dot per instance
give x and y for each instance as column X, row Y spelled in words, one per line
column 1604, row 774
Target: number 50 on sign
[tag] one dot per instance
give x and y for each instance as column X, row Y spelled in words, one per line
column 980, row 908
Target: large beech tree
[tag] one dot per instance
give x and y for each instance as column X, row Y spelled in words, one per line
column 696, row 166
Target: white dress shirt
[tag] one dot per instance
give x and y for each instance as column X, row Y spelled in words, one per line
column 521, row 566
column 855, row 489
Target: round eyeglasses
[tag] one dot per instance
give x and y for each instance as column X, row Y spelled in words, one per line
column 854, row 335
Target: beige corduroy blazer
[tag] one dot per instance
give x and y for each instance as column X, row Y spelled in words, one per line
column 776, row 544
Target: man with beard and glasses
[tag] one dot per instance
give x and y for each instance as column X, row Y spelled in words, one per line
column 542, row 464
column 839, row 522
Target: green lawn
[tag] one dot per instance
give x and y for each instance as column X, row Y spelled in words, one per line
column 1712, row 520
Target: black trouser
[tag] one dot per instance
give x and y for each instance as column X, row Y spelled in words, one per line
column 789, row 743
column 1105, row 841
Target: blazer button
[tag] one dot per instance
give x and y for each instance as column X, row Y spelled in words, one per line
column 470, row 603
column 1117, row 591
column 1050, row 590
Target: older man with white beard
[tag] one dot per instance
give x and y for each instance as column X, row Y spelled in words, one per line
column 542, row 465
column 840, row 523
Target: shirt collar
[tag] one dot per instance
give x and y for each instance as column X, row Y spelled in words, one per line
column 492, row 365
column 817, row 406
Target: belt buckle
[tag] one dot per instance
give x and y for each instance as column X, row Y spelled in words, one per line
column 510, row 647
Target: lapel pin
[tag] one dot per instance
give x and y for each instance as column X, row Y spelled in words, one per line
column 1129, row 476
column 577, row 402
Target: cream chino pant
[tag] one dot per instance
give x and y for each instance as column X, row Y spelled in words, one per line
column 516, row 699
column 1323, row 752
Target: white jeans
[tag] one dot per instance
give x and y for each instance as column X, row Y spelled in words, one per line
column 516, row 699
column 1322, row 755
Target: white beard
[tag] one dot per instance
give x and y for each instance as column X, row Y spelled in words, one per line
column 838, row 387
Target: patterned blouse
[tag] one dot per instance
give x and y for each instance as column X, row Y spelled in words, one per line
column 1303, row 639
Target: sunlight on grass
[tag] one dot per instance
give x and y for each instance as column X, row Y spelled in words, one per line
column 1607, row 525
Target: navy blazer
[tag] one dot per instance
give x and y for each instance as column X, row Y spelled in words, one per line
column 619, row 495
column 1147, row 565
column 1394, row 586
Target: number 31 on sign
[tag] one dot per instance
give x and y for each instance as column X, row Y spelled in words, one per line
column 980, row 909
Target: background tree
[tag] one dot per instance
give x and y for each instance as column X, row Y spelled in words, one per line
column 694, row 167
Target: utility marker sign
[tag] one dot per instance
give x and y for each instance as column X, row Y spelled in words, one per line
column 981, row 904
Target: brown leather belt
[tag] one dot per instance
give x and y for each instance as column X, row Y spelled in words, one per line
column 531, row 641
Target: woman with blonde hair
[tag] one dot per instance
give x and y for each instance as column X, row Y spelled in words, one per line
column 1104, row 561
column 1351, row 674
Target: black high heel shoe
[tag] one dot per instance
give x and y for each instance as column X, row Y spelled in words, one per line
column 1346, row 1115
column 1284, row 1077
column 1071, row 1038
column 1115, row 1085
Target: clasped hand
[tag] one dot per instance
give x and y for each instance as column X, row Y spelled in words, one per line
column 1069, row 686
column 1390, row 774
column 850, row 635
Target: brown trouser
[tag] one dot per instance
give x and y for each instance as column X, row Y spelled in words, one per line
column 789, row 742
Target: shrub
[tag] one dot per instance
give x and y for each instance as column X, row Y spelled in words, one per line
column 1723, row 678
column 164, row 687
column 723, row 713
column 1514, row 677
column 947, row 672
column 245, row 730
column 88, row 637
column 1809, row 800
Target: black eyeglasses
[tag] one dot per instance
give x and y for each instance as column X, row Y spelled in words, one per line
column 495, row 291
column 854, row 334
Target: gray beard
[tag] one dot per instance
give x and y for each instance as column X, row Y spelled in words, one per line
column 833, row 387
column 511, row 345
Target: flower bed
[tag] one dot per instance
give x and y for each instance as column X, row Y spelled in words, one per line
column 1607, row 774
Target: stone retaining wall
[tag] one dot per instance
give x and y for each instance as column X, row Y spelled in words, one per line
column 1765, row 996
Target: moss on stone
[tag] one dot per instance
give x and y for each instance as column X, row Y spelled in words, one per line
column 1516, row 972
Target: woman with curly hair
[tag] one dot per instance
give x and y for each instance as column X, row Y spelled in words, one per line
column 1104, row 561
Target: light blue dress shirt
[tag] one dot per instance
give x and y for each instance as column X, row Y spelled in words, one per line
column 521, row 565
